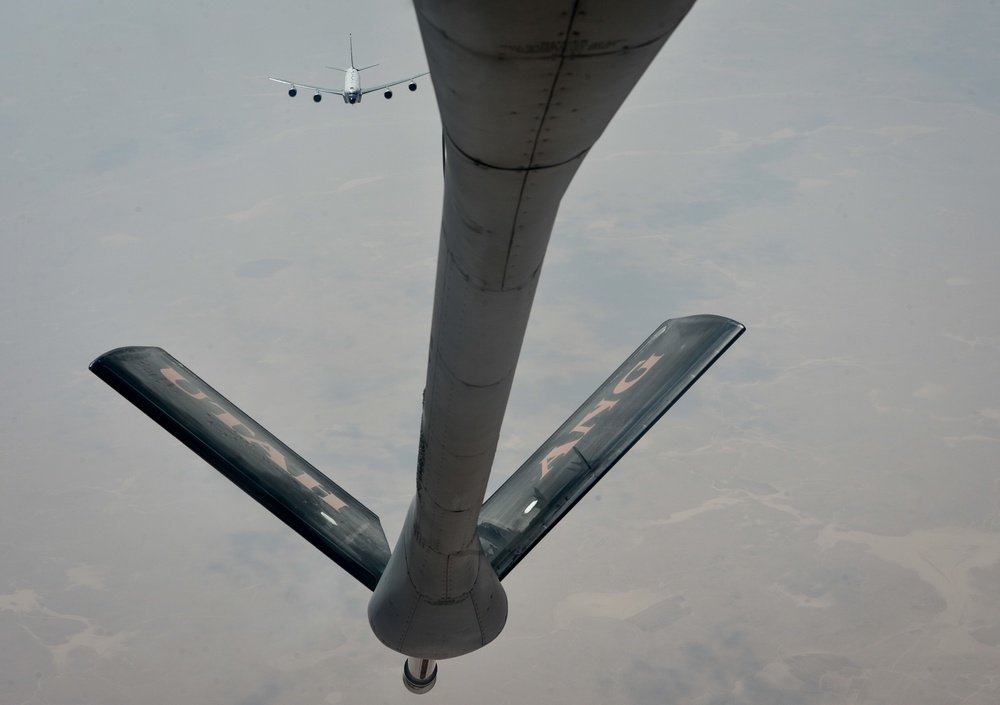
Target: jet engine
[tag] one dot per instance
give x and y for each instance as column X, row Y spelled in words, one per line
column 317, row 97
column 412, row 86
column 292, row 92
column 419, row 674
column 388, row 94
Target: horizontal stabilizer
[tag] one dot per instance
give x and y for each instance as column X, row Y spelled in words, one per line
column 242, row 450
column 516, row 517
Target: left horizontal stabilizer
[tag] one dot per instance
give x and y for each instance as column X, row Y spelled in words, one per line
column 244, row 451
column 516, row 517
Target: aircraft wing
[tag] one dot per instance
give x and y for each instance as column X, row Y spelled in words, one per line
column 318, row 89
column 241, row 449
column 593, row 439
column 393, row 83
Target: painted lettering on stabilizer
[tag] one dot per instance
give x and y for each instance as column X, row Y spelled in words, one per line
column 273, row 454
column 626, row 383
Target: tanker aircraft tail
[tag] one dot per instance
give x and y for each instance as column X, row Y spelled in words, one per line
column 512, row 521
column 524, row 90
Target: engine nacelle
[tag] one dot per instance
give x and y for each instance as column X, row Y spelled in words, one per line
column 419, row 675
column 292, row 92
column 317, row 98
column 412, row 86
column 388, row 94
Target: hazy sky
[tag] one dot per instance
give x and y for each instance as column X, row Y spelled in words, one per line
column 818, row 521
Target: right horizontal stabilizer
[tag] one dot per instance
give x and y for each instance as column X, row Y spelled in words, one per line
column 241, row 449
column 516, row 517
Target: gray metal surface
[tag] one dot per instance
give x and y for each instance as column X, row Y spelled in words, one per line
column 598, row 434
column 248, row 454
column 524, row 90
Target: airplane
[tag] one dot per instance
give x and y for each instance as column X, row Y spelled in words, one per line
column 524, row 91
column 353, row 91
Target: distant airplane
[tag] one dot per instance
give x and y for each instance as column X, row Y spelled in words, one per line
column 353, row 91
column 524, row 91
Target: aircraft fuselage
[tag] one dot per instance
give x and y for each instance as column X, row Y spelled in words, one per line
column 352, row 86
column 518, row 119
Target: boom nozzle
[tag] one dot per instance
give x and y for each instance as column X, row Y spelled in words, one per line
column 419, row 674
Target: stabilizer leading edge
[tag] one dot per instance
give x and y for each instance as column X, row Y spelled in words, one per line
column 244, row 451
column 516, row 517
